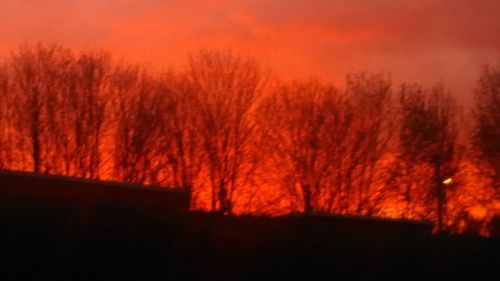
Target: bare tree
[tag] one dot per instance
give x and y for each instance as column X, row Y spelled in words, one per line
column 329, row 145
column 369, row 141
column 227, row 88
column 411, row 170
column 486, row 136
column 6, row 120
column 296, row 119
column 429, row 137
column 37, row 85
column 138, row 113
column 90, row 102
column 181, row 141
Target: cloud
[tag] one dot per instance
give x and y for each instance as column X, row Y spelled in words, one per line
column 418, row 40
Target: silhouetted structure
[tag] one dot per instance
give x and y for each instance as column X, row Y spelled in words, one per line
column 85, row 195
column 78, row 229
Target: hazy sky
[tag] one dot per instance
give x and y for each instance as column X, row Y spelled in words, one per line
column 415, row 40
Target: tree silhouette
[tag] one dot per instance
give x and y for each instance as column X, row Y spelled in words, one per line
column 37, row 82
column 180, row 139
column 328, row 145
column 370, row 97
column 138, row 114
column 6, row 120
column 296, row 119
column 240, row 141
column 429, row 137
column 227, row 87
column 486, row 136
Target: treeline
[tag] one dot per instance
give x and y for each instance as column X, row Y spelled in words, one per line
column 241, row 141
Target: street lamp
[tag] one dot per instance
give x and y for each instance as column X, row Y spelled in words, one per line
column 448, row 181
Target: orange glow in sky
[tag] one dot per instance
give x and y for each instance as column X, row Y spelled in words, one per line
column 425, row 41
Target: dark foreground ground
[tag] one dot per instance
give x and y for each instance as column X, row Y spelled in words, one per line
column 52, row 228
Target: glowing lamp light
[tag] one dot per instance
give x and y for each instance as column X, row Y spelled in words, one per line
column 448, row 181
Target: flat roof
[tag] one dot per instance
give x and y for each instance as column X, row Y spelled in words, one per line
column 104, row 183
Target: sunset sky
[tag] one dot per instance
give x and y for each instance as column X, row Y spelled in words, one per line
column 424, row 41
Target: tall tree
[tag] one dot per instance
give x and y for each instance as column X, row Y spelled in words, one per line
column 370, row 96
column 180, row 139
column 486, row 136
column 227, row 88
column 6, row 120
column 37, row 84
column 328, row 145
column 297, row 119
column 90, row 102
column 138, row 109
column 429, row 137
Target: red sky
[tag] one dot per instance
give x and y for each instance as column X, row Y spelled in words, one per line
column 413, row 40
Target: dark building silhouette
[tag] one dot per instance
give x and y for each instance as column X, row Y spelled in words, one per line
column 59, row 227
